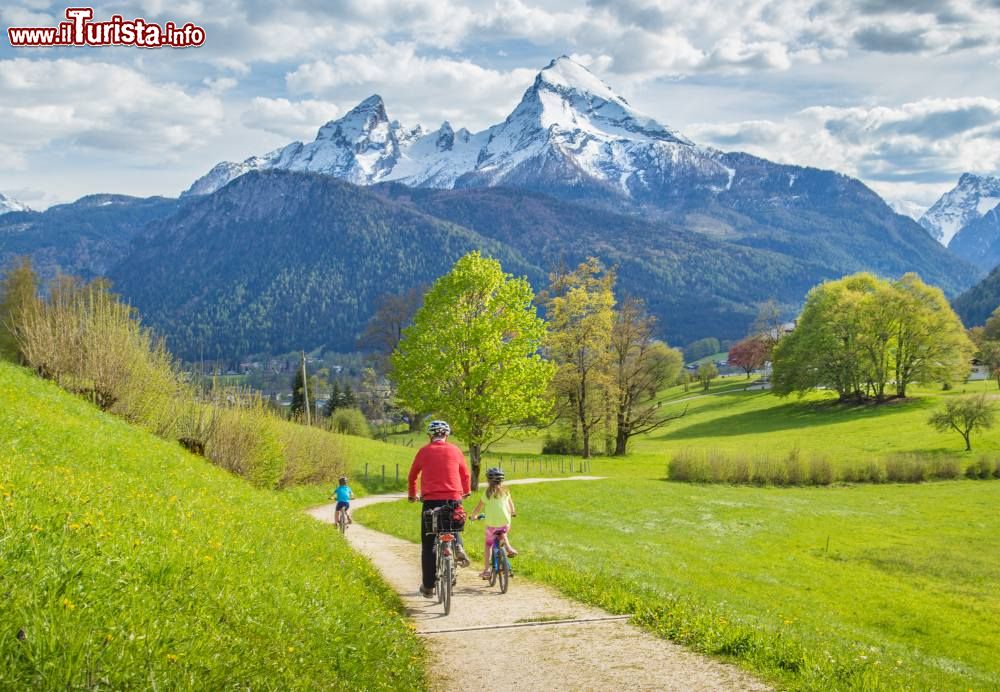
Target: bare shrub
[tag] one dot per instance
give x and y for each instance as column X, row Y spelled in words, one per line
column 944, row 468
column 796, row 469
column 689, row 466
column 311, row 455
column 92, row 344
column 906, row 468
column 244, row 441
column 981, row 468
column 820, row 470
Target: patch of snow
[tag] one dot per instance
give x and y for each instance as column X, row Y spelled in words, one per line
column 8, row 204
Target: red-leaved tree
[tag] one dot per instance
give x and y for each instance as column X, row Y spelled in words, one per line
column 749, row 354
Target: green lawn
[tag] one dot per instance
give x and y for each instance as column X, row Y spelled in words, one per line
column 884, row 586
column 126, row 563
column 729, row 419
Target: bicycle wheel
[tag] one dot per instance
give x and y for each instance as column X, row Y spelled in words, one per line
column 439, row 574
column 446, row 586
column 504, row 574
column 342, row 523
column 494, row 567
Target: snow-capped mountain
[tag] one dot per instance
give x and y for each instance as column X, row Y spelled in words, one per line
column 907, row 207
column 8, row 204
column 570, row 128
column 971, row 198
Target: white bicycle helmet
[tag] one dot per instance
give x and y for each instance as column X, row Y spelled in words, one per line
column 437, row 428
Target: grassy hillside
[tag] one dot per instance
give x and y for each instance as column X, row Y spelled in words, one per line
column 731, row 419
column 128, row 563
column 850, row 587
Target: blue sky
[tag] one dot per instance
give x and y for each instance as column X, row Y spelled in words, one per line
column 904, row 94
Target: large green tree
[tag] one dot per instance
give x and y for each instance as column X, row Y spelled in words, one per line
column 931, row 344
column 472, row 355
column 580, row 309
column 858, row 334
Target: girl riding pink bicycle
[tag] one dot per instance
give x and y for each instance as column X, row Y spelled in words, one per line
column 499, row 509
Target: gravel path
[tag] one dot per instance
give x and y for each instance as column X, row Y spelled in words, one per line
column 602, row 655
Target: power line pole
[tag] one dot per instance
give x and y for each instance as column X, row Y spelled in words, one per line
column 305, row 389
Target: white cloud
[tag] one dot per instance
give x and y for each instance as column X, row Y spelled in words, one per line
column 909, row 152
column 294, row 119
column 100, row 106
column 416, row 88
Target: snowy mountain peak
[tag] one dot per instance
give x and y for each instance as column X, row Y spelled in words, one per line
column 569, row 97
column 358, row 123
column 566, row 74
column 8, row 204
column 445, row 137
column 570, row 128
column 970, row 199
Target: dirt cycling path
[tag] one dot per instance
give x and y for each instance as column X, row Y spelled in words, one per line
column 604, row 654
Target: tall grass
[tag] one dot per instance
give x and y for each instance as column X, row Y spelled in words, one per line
column 793, row 469
column 94, row 345
column 89, row 342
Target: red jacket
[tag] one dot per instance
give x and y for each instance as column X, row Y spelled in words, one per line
column 444, row 475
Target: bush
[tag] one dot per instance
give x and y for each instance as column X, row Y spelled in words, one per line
column 982, row 468
column 820, row 471
column 311, row 455
column 796, row 469
column 688, row 466
column 92, row 344
column 560, row 443
column 245, row 442
column 767, row 471
column 945, row 468
column 350, row 421
column 864, row 472
column 906, row 468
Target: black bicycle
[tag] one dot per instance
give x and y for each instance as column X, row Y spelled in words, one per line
column 444, row 527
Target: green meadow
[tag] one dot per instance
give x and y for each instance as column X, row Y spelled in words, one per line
column 851, row 586
column 730, row 419
column 126, row 562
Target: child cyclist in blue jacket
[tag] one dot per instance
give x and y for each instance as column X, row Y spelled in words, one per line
column 344, row 496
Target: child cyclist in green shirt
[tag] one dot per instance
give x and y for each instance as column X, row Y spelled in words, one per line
column 499, row 507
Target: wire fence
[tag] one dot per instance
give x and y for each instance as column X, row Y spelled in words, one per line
column 395, row 474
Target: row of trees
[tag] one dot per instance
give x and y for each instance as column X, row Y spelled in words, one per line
column 478, row 353
column 863, row 337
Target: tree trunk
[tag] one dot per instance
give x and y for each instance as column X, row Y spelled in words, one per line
column 475, row 457
column 586, row 442
column 621, row 441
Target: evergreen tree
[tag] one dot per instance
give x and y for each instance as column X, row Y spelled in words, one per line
column 333, row 403
column 298, row 406
column 347, row 399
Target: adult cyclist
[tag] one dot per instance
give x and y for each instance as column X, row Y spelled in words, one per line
column 444, row 478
